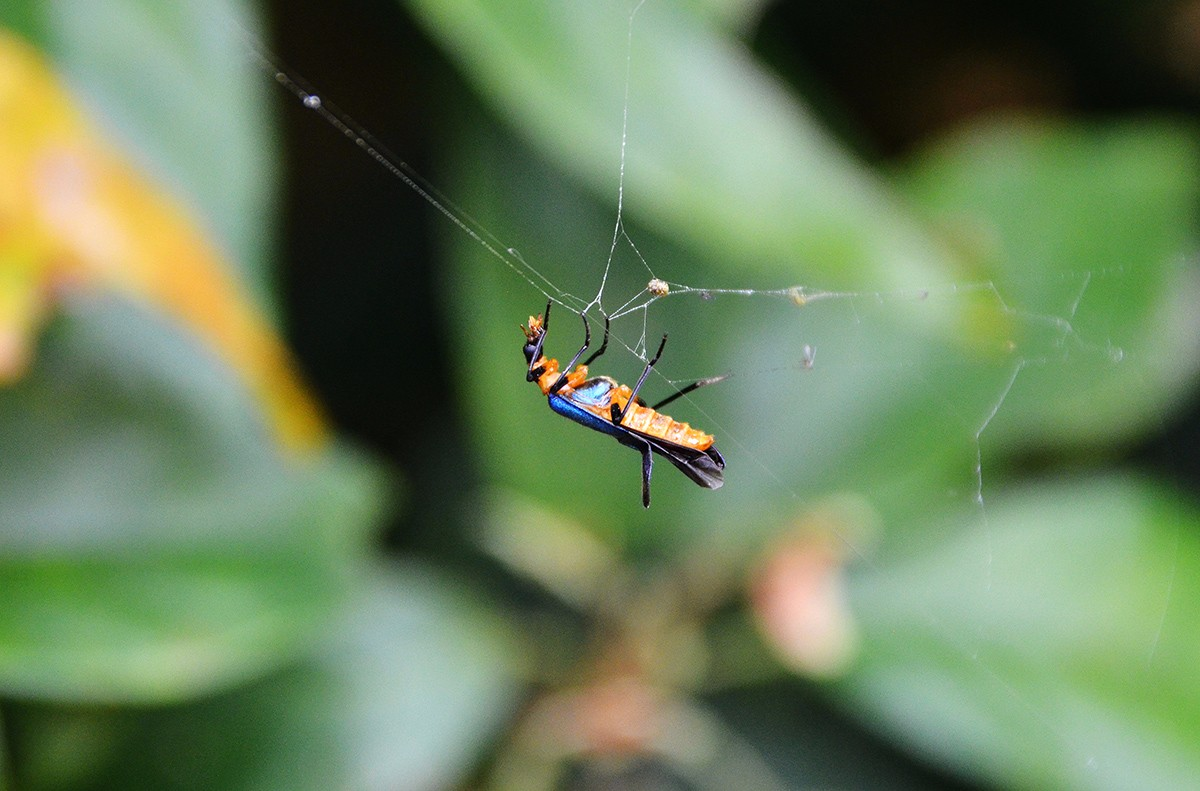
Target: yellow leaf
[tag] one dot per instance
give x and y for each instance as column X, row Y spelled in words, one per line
column 72, row 210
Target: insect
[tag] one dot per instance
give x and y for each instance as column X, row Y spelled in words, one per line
column 600, row 403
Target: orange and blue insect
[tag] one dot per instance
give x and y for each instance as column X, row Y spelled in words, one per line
column 600, row 403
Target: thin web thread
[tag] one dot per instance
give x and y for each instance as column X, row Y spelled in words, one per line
column 367, row 142
column 619, row 225
column 798, row 295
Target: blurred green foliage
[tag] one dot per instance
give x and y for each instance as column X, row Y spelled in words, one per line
column 1058, row 259
column 183, row 606
column 184, row 603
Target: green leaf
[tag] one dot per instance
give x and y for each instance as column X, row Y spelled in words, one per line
column 724, row 159
column 1053, row 646
column 739, row 16
column 404, row 693
column 1088, row 234
column 24, row 18
column 154, row 542
column 174, row 85
column 426, row 678
column 809, row 744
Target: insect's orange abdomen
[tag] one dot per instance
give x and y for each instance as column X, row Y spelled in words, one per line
column 653, row 424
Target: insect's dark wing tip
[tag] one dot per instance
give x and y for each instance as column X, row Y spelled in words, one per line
column 708, row 469
column 703, row 467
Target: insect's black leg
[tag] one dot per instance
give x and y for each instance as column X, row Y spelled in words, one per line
column 647, row 466
column 631, row 440
column 587, row 339
column 532, row 374
column 712, row 380
column 618, row 413
column 603, row 346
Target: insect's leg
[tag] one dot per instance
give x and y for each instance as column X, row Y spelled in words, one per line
column 617, row 412
column 533, row 374
column 603, row 346
column 712, row 380
column 631, row 440
column 587, row 339
column 647, row 466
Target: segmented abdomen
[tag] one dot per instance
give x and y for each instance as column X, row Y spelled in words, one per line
column 646, row 421
column 598, row 395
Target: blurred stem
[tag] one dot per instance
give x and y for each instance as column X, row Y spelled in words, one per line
column 692, row 741
column 7, row 777
column 738, row 656
column 621, row 689
column 729, row 760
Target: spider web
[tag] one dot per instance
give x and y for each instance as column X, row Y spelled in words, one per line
column 835, row 337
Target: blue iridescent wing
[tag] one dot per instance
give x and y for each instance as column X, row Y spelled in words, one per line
column 594, row 392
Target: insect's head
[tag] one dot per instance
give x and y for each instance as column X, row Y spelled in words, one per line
column 533, row 338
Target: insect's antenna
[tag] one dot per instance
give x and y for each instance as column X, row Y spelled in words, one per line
column 541, row 341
